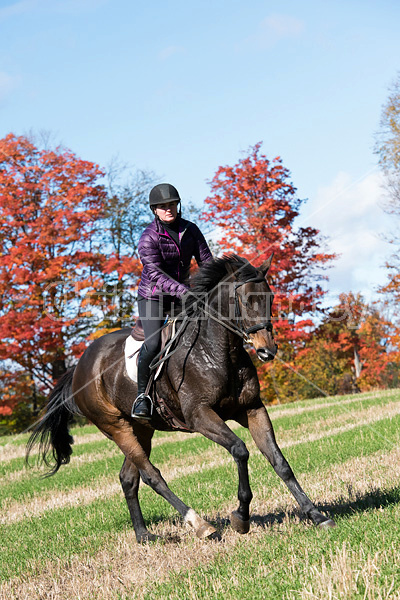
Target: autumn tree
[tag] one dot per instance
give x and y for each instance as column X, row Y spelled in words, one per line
column 50, row 204
column 388, row 149
column 387, row 145
column 255, row 206
column 125, row 216
column 350, row 350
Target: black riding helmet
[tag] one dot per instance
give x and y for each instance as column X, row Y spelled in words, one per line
column 163, row 193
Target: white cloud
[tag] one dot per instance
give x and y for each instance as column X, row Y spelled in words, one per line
column 349, row 212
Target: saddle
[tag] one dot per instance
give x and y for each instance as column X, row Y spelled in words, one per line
column 166, row 333
column 160, row 404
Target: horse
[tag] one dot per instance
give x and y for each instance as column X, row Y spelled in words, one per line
column 207, row 379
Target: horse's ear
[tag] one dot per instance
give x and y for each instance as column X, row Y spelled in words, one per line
column 266, row 265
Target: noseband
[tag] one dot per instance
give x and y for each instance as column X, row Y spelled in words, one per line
column 245, row 332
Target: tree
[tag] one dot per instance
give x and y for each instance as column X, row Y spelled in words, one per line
column 349, row 351
column 387, row 147
column 126, row 214
column 50, row 203
column 255, row 206
column 387, row 144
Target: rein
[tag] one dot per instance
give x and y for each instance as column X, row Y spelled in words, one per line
column 157, row 358
column 241, row 332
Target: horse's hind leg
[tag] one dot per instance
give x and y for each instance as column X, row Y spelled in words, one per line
column 262, row 432
column 136, row 454
column 130, row 478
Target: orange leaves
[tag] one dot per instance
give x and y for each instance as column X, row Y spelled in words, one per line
column 50, row 202
column 255, row 205
column 68, row 264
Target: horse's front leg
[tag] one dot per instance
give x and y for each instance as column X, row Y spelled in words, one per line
column 207, row 422
column 261, row 429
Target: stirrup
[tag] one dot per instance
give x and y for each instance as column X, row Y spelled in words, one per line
column 142, row 412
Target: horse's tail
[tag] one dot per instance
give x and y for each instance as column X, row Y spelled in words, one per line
column 52, row 431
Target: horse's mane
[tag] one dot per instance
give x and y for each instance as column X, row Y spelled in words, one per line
column 211, row 273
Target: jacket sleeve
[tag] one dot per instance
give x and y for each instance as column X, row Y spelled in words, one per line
column 202, row 252
column 152, row 261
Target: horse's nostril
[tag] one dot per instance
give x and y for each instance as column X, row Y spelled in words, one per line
column 266, row 354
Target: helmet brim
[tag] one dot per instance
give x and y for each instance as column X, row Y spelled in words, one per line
column 161, row 201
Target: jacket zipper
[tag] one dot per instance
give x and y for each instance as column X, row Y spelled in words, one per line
column 178, row 246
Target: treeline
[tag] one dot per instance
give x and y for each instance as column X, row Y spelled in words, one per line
column 69, row 270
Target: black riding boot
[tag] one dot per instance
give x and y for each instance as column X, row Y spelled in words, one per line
column 143, row 406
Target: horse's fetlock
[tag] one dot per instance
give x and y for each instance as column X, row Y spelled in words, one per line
column 245, row 497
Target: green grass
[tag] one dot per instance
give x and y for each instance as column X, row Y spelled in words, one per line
column 280, row 563
column 86, row 528
column 314, row 417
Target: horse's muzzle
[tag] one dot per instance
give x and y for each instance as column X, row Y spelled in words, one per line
column 267, row 354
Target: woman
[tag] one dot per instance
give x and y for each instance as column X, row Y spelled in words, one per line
column 166, row 248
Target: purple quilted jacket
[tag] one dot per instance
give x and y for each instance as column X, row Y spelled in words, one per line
column 165, row 265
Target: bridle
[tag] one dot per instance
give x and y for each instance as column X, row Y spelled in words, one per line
column 240, row 331
column 245, row 332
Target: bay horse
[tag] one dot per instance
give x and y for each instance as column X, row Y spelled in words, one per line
column 208, row 379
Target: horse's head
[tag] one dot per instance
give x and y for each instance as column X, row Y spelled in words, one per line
column 232, row 292
column 253, row 305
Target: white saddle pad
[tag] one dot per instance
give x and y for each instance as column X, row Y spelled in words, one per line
column 132, row 348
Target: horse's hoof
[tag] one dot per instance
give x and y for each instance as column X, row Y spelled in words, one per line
column 327, row 523
column 206, row 531
column 147, row 537
column 238, row 524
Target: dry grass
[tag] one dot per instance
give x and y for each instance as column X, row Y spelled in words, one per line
column 130, row 570
column 286, row 410
column 9, row 451
column 127, row 569
column 105, row 487
column 90, row 457
column 341, row 577
column 216, row 456
column 359, row 418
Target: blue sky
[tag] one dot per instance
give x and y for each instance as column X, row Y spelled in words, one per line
column 181, row 87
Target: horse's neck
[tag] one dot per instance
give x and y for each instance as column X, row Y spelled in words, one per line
column 218, row 334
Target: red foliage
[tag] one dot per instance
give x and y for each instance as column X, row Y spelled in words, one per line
column 50, row 202
column 255, row 206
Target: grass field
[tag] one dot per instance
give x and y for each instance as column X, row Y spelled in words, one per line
column 70, row 536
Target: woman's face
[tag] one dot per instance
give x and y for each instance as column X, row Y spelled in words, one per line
column 167, row 212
